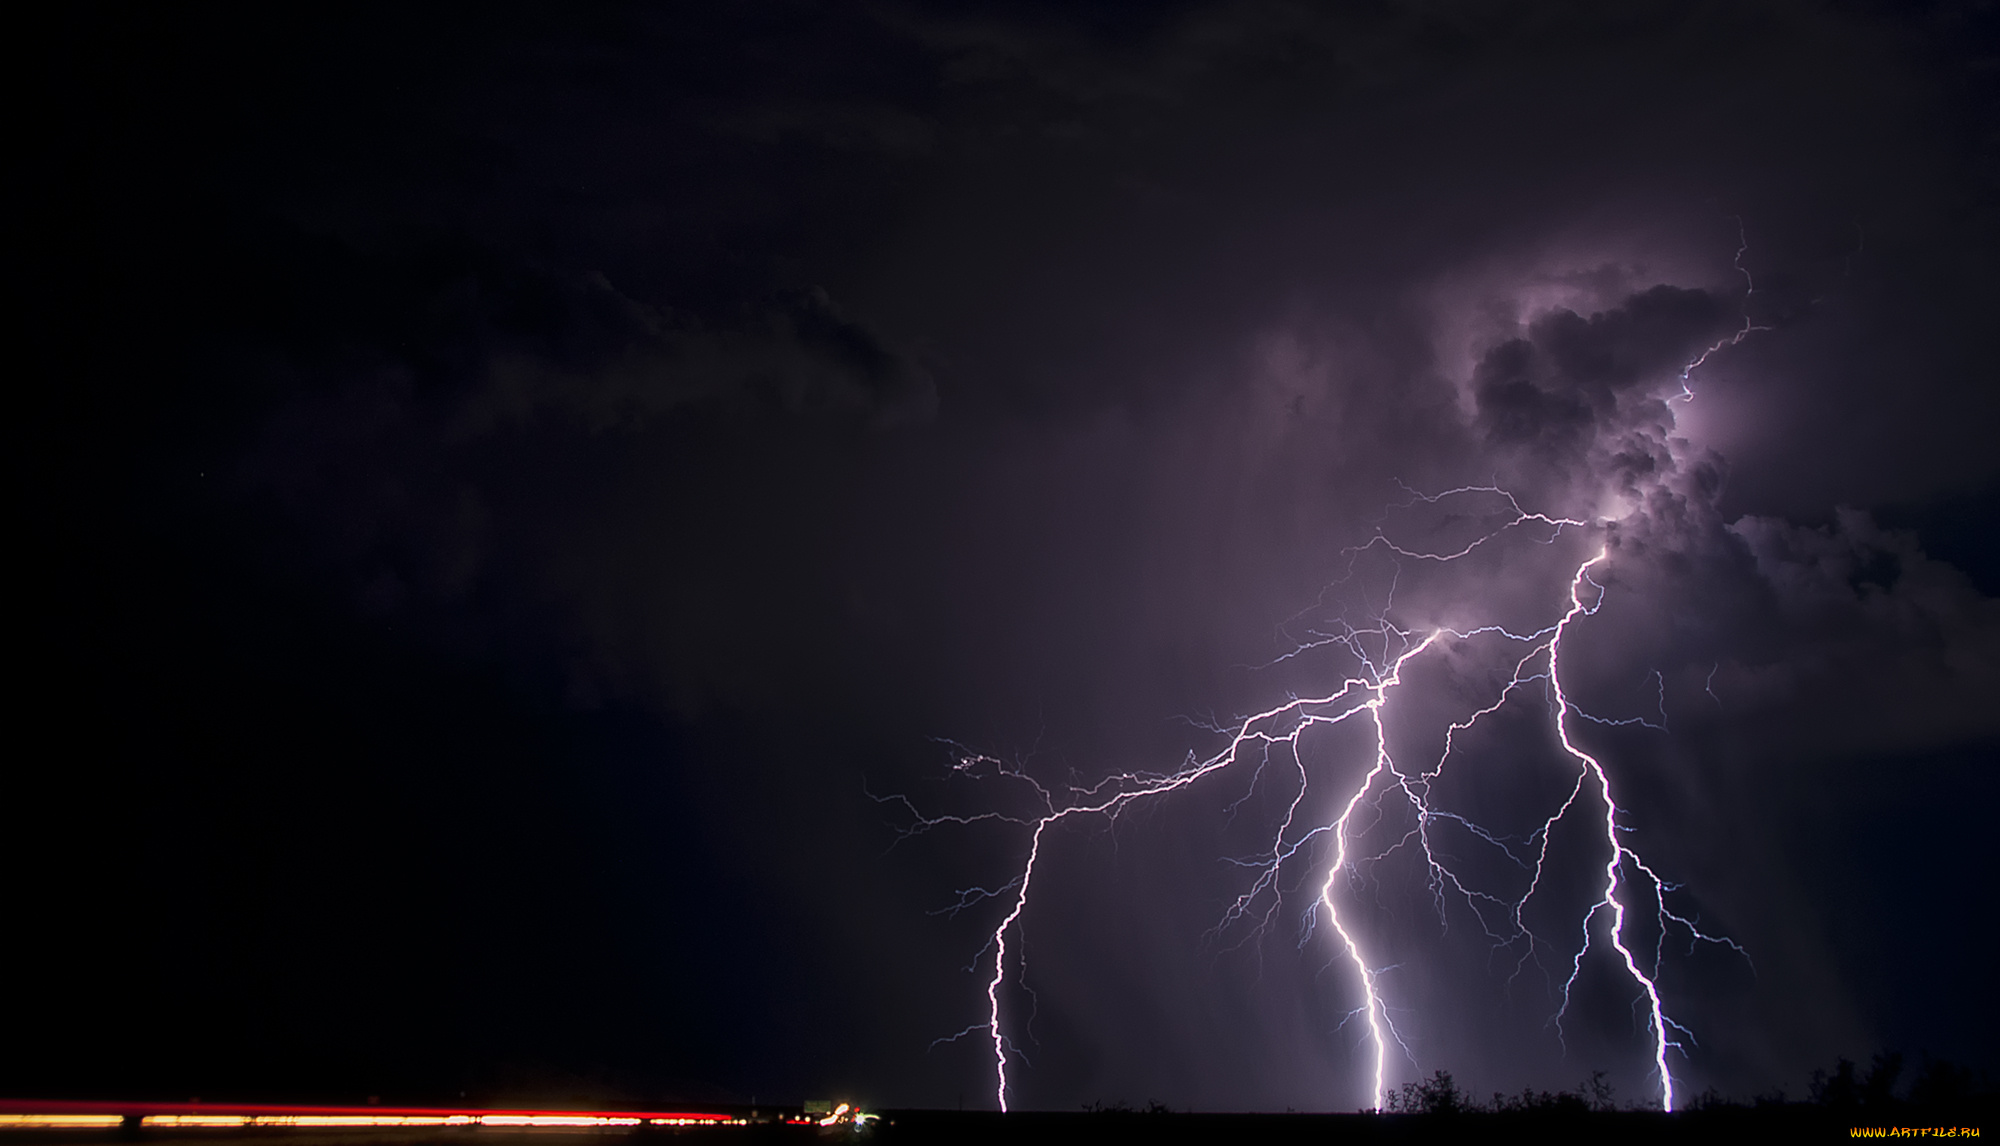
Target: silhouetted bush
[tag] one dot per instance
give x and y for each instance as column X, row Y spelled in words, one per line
column 1437, row 1094
column 1531, row 1101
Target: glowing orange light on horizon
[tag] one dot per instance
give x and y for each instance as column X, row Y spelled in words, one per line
column 21, row 1114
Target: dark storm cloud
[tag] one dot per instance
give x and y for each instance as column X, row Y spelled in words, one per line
column 814, row 382
column 1582, row 396
column 1867, row 610
column 399, row 447
column 1567, row 374
column 608, row 362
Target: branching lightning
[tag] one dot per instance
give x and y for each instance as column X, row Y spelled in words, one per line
column 1379, row 651
column 1746, row 330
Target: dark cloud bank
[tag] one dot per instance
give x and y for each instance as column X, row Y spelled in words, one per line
column 496, row 495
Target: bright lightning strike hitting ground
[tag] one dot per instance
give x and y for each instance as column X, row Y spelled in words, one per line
column 1381, row 653
column 1378, row 652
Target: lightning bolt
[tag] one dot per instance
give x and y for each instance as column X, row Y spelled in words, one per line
column 1618, row 852
column 1115, row 793
column 1380, row 651
column 1377, row 1018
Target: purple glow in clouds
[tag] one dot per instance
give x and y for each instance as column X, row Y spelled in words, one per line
column 1378, row 648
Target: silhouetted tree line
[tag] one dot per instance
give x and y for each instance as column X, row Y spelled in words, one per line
column 1152, row 1107
column 1842, row 1103
column 1439, row 1094
column 1938, row 1084
column 1885, row 1091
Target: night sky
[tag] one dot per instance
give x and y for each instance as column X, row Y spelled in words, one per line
column 503, row 499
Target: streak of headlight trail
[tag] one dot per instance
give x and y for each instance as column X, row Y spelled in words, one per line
column 1369, row 693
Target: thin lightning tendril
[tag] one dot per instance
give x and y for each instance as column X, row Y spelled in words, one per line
column 1749, row 327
